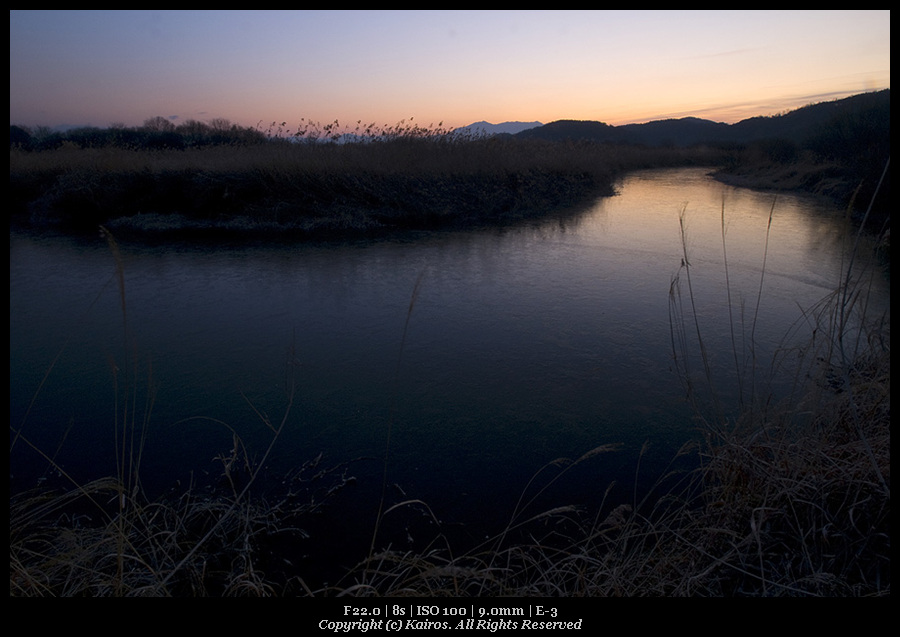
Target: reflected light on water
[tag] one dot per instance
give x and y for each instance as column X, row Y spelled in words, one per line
column 524, row 344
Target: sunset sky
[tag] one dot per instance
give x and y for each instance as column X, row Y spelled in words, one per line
column 457, row 67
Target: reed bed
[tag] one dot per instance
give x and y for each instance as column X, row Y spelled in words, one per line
column 307, row 188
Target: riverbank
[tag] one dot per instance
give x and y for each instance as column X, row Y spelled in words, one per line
column 288, row 190
column 312, row 189
column 837, row 183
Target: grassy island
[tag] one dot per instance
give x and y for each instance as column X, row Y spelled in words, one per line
column 242, row 183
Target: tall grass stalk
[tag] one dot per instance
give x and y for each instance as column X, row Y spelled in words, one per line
column 390, row 427
column 108, row 537
column 790, row 497
column 802, row 469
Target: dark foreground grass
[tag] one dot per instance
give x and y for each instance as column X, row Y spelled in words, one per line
column 795, row 504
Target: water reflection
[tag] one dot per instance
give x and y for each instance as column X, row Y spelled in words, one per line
column 523, row 345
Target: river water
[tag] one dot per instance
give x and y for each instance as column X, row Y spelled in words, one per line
column 464, row 360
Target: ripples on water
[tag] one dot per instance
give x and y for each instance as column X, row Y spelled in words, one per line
column 524, row 344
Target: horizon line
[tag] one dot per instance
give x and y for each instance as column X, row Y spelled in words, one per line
column 801, row 102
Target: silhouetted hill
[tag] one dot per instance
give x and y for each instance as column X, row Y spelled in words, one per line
column 566, row 129
column 674, row 132
column 839, row 149
column 808, row 121
column 795, row 126
column 686, row 131
column 508, row 128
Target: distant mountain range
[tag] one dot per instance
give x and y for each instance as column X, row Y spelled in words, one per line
column 506, row 128
column 795, row 125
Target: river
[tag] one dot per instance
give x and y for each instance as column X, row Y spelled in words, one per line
column 462, row 361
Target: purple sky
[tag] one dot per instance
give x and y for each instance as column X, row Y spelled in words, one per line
column 456, row 67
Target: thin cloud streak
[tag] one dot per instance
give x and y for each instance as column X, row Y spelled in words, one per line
column 735, row 112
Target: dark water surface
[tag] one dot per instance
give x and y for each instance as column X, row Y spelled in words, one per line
column 523, row 344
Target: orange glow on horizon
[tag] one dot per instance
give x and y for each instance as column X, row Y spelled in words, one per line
column 455, row 67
